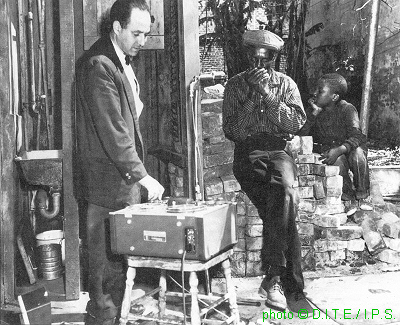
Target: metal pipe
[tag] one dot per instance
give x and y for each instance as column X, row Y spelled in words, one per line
column 43, row 86
column 366, row 94
column 41, row 197
column 31, row 59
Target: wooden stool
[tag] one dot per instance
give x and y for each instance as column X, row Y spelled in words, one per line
column 191, row 266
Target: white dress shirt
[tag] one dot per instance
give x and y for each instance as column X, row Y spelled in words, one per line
column 131, row 77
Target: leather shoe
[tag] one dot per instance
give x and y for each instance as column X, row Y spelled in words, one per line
column 271, row 290
column 298, row 304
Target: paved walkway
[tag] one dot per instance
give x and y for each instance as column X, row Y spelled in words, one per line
column 360, row 298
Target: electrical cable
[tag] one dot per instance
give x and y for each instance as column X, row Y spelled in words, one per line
column 183, row 286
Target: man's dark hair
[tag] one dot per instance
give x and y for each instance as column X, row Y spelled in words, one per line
column 337, row 83
column 121, row 10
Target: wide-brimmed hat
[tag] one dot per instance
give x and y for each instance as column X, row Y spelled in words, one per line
column 263, row 38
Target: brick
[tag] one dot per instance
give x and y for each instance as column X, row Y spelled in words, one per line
column 218, row 159
column 241, row 208
column 213, row 188
column 318, row 169
column 230, row 183
column 240, row 246
column 361, row 215
column 318, row 159
column 325, row 170
column 354, row 256
column 305, row 159
column 331, row 170
column 178, row 192
column 171, row 168
column 217, row 171
column 294, row 145
column 392, row 230
column 306, row 240
column 231, row 196
column 307, row 258
column 356, row 245
column 305, row 192
column 387, row 217
column 179, row 181
column 303, row 169
column 254, row 230
column 305, row 228
column 329, row 209
column 254, row 268
column 318, row 190
column 339, row 233
column 324, row 245
column 393, row 244
column 337, row 255
column 241, row 221
column 254, row 243
column 215, row 148
column 306, row 145
column 211, row 124
column 238, row 264
column 333, row 181
column 372, row 237
column 241, row 232
column 332, row 200
column 252, row 210
column 216, row 139
column 254, row 221
column 211, row 105
column 389, row 256
column 329, row 220
column 321, row 258
column 305, row 217
column 307, row 180
column 253, row 256
column 333, row 191
column 307, row 205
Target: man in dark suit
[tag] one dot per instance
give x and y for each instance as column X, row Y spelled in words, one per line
column 110, row 148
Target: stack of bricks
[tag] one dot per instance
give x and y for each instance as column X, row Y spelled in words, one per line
column 326, row 235
column 388, row 226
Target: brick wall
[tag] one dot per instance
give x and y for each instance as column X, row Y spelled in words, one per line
column 328, row 236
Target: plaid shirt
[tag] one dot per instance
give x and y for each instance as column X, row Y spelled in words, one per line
column 280, row 113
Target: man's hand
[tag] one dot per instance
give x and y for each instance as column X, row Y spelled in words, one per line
column 258, row 80
column 154, row 188
column 330, row 156
column 316, row 109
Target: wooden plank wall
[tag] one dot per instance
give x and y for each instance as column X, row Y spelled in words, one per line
column 8, row 181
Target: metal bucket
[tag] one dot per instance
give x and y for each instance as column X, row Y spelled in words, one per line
column 50, row 263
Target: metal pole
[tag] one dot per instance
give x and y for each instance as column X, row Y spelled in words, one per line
column 366, row 95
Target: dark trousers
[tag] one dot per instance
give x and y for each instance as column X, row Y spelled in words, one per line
column 267, row 177
column 106, row 271
column 356, row 161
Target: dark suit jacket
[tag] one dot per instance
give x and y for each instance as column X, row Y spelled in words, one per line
column 109, row 144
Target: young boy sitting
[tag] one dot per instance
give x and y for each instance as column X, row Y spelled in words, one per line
column 335, row 127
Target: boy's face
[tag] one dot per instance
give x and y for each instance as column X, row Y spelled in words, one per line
column 323, row 95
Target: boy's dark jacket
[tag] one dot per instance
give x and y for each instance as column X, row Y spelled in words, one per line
column 332, row 128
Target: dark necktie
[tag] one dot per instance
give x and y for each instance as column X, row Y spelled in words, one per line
column 128, row 59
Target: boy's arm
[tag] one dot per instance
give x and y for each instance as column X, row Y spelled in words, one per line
column 312, row 113
column 354, row 136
